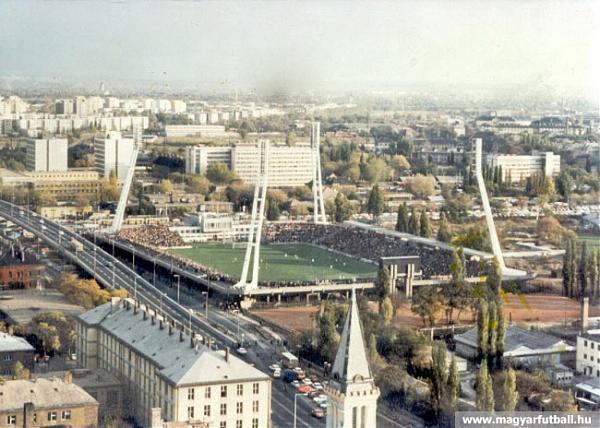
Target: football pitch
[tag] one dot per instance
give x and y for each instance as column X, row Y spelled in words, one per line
column 281, row 262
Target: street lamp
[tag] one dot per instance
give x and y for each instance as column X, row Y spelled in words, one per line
column 206, row 305
column 178, row 282
column 191, row 313
column 295, row 406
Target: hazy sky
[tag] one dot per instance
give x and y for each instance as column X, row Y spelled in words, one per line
column 305, row 44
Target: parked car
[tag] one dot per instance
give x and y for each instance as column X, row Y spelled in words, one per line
column 277, row 374
column 307, row 381
column 275, row 367
column 318, row 413
column 305, row 389
column 317, row 386
column 320, row 399
column 295, row 384
column 242, row 351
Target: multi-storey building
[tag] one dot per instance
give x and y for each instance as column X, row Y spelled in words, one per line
column 196, row 130
column 17, row 274
column 46, row 403
column 197, row 158
column 113, row 153
column 165, row 372
column 588, row 353
column 13, row 349
column 47, row 154
column 288, row 166
column 519, row 167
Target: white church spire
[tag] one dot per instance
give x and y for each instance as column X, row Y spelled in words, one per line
column 352, row 392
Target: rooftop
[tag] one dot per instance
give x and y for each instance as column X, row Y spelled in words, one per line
column 178, row 361
column 10, row 343
column 516, row 337
column 43, row 393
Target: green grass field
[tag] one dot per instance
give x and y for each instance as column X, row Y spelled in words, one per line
column 288, row 262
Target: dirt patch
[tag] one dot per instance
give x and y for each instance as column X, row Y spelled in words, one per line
column 524, row 307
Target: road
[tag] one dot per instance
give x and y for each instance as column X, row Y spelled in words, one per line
column 112, row 273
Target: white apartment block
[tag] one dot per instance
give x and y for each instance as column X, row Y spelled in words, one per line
column 113, row 152
column 12, row 105
column 197, row 158
column 289, row 166
column 47, row 154
column 588, row 353
column 166, row 372
column 178, row 106
column 521, row 167
column 196, row 130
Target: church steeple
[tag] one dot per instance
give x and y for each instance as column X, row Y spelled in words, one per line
column 351, row 390
column 351, row 362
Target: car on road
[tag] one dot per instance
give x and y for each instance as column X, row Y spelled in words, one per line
column 275, row 367
column 241, row 351
column 317, row 386
column 295, row 384
column 305, row 389
column 320, row 399
column 277, row 374
column 318, row 413
column 307, row 381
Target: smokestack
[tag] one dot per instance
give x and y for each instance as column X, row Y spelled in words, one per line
column 585, row 307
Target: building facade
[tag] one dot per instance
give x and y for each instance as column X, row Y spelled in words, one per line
column 14, row 274
column 588, row 354
column 198, row 158
column 113, row 152
column 46, row 403
column 13, row 349
column 516, row 168
column 47, row 154
column 165, row 372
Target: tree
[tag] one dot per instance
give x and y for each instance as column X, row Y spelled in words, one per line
column 20, row 372
column 493, row 280
column 483, row 322
column 443, row 233
column 456, row 291
column 500, row 333
column 492, row 332
column 375, row 204
column 399, row 163
column 273, row 212
column 328, row 337
column 383, row 283
column 54, row 331
column 566, row 270
column 425, row 226
column 421, row 186
column 427, row 303
column 510, row 395
column 439, row 374
column 582, row 272
column 453, row 385
column 414, row 225
column 343, row 208
column 219, row 173
column 198, row 184
column 402, row 219
column 375, row 170
column 484, row 400
column 387, row 310
column 165, row 186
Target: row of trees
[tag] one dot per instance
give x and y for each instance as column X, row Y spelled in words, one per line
column 581, row 271
column 414, row 223
column 85, row 292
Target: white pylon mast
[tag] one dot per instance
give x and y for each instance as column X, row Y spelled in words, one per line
column 258, row 213
column 319, row 216
column 489, row 219
column 122, row 205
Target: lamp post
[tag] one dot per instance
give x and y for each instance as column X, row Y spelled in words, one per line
column 191, row 313
column 295, row 406
column 178, row 282
column 206, row 305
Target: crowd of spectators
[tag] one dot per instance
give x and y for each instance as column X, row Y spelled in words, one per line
column 152, row 235
column 365, row 244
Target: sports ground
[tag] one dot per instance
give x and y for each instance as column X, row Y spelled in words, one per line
column 280, row 262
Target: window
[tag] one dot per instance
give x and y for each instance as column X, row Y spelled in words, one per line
column 7, row 357
column 239, row 408
column 255, row 388
column 238, row 424
column 585, row 356
column 240, row 389
column 11, row 420
column 224, row 391
column 66, row 415
column 207, row 410
column 223, row 424
column 207, row 392
column 255, row 423
column 592, row 345
column 255, row 406
column 190, row 393
column 191, row 412
column 51, row 416
column 223, row 409
column 585, row 343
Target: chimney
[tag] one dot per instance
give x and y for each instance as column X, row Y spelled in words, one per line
column 135, row 309
column 181, row 335
column 68, row 378
column 192, row 339
column 145, row 315
column 28, row 415
column 170, row 329
column 127, row 305
column 114, row 301
column 227, row 354
column 161, row 324
column 585, row 306
column 152, row 319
